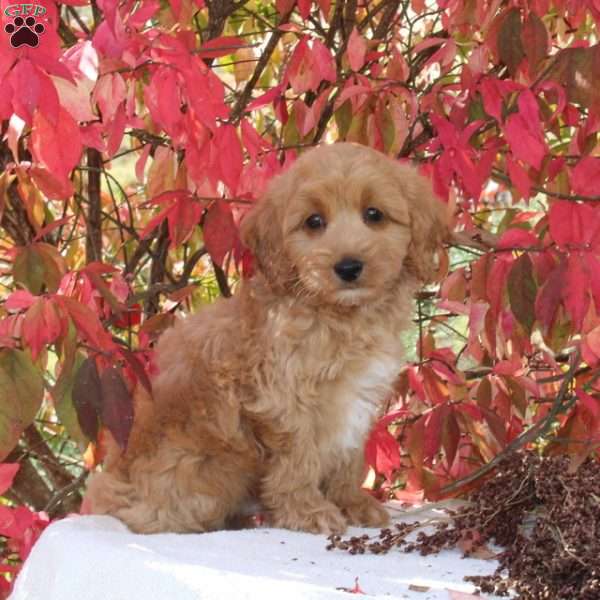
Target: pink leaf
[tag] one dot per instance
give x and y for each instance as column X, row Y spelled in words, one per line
column 356, row 51
column 324, row 60
column 19, row 300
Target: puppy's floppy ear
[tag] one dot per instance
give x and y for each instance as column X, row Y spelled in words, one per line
column 261, row 231
column 429, row 223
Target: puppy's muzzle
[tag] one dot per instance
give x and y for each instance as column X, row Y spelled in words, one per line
column 348, row 269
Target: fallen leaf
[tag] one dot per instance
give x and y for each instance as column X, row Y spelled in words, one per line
column 418, row 588
column 454, row 595
column 353, row 590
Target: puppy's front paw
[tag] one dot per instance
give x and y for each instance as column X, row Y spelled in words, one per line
column 366, row 511
column 325, row 518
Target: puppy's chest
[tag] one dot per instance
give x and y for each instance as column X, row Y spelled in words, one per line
column 350, row 405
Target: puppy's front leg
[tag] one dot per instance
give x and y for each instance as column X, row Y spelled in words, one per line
column 343, row 487
column 290, row 491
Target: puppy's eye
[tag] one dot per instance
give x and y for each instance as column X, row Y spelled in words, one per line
column 372, row 215
column 315, row 221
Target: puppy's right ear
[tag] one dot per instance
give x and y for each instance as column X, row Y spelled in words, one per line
column 261, row 232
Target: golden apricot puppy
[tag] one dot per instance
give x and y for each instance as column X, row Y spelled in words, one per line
column 269, row 396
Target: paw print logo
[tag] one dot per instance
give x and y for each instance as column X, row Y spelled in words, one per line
column 24, row 32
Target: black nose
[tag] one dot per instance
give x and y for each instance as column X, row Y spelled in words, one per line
column 348, row 269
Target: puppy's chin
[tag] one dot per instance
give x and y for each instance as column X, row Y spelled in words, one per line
column 353, row 296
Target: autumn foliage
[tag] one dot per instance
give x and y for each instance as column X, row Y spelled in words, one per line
column 137, row 133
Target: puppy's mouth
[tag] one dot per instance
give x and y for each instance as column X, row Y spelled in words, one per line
column 353, row 295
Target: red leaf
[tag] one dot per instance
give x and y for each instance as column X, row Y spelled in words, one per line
column 432, row 431
column 87, row 398
column 25, row 82
column 574, row 224
column 221, row 46
column 548, row 298
column 496, row 283
column 58, row 147
column 517, row 238
column 304, row 8
column 183, row 217
column 492, row 98
column 525, row 145
column 535, row 41
column 519, row 177
column 585, row 176
column 302, row 71
column 356, row 50
column 510, row 47
column 575, row 291
column 592, row 265
column 252, row 140
column 7, row 474
column 382, row 452
column 42, row 325
column 231, row 157
column 591, row 404
column 450, row 437
column 324, row 5
column 87, row 323
column 52, row 226
column 220, row 232
column 117, row 406
column 116, row 130
column 267, row 97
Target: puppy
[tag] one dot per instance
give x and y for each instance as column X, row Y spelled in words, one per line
column 270, row 395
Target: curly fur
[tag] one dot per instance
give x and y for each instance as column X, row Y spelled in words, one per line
column 270, row 395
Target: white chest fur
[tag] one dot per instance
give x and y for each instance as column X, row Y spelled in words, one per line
column 360, row 400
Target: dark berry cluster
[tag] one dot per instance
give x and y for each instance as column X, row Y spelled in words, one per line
column 544, row 514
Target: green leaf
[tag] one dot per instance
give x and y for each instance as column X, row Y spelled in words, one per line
column 62, row 396
column 387, row 129
column 21, row 395
column 522, row 291
column 39, row 265
column 343, row 118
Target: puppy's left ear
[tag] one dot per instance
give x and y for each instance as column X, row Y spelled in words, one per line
column 429, row 223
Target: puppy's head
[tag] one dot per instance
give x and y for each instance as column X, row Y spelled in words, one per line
column 343, row 225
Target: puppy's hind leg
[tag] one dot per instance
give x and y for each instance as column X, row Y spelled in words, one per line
column 173, row 491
